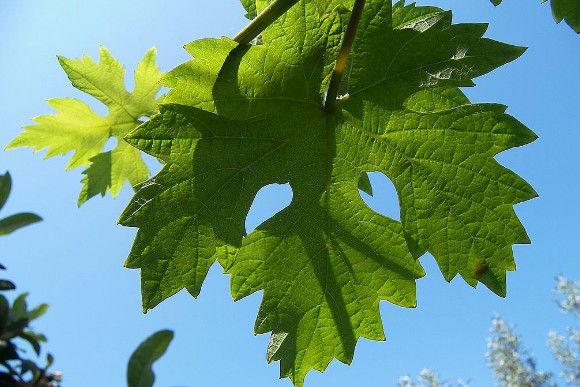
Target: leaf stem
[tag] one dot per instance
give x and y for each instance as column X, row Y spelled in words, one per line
column 268, row 16
column 342, row 58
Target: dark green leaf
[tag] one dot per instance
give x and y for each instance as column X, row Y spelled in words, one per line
column 7, row 285
column 364, row 184
column 19, row 307
column 4, row 310
column 14, row 222
column 8, row 351
column 568, row 10
column 5, row 186
column 139, row 371
column 14, row 328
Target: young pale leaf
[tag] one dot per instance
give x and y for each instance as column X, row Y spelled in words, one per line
column 241, row 117
column 76, row 127
column 139, row 371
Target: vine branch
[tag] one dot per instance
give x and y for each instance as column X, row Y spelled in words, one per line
column 342, row 58
column 268, row 16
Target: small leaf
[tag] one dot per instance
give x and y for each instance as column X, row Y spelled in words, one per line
column 7, row 285
column 14, row 222
column 8, row 352
column 14, row 328
column 19, row 307
column 32, row 340
column 250, row 6
column 139, row 371
column 37, row 312
column 29, row 366
column 4, row 310
column 5, row 186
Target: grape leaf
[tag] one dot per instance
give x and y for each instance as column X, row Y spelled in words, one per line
column 240, row 117
column 568, row 10
column 76, row 127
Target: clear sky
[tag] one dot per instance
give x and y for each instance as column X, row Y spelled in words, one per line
column 74, row 259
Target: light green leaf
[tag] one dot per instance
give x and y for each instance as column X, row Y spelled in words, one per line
column 239, row 118
column 139, row 371
column 37, row 312
column 76, row 127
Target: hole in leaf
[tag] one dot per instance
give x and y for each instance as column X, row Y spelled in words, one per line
column 385, row 200
column 162, row 91
column 269, row 200
column 110, row 144
column 99, row 108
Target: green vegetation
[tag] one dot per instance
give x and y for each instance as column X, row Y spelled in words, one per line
column 314, row 93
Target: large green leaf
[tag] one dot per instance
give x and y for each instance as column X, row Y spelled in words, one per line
column 239, row 118
column 76, row 127
column 139, row 371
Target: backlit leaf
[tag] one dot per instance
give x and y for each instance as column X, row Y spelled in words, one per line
column 241, row 117
column 76, row 127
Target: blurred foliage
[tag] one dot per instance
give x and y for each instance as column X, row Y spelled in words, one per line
column 511, row 363
column 139, row 371
column 16, row 369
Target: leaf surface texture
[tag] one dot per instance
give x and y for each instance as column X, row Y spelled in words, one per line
column 238, row 118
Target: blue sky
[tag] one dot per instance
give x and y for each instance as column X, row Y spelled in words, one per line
column 73, row 260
